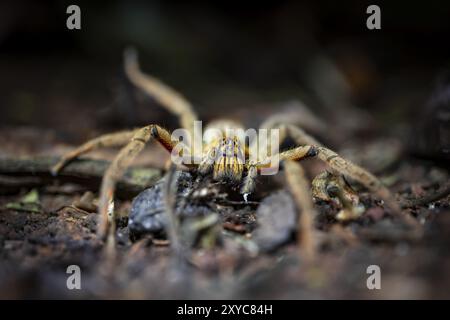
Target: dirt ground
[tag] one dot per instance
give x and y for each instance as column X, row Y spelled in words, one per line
column 38, row 243
column 378, row 97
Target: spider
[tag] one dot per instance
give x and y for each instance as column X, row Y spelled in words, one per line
column 230, row 168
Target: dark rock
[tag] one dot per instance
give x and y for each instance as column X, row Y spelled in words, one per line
column 147, row 214
column 276, row 221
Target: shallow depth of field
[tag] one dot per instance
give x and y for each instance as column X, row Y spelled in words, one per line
column 379, row 98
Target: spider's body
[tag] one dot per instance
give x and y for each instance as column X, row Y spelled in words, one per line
column 224, row 153
column 226, row 156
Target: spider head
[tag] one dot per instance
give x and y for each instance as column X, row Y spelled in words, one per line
column 229, row 160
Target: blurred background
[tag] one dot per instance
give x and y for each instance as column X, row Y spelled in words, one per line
column 245, row 61
column 379, row 97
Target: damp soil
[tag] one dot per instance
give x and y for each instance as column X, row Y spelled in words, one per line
column 235, row 249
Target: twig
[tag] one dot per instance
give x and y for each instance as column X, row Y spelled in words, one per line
column 434, row 196
column 86, row 172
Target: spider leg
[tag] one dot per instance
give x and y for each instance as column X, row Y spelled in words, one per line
column 108, row 140
column 298, row 153
column 134, row 142
column 116, row 139
column 170, row 195
column 345, row 167
column 299, row 188
column 249, row 183
column 330, row 187
column 295, row 113
column 299, row 117
column 163, row 94
column 117, row 168
column 207, row 163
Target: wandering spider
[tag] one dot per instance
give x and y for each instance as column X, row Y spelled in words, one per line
column 232, row 169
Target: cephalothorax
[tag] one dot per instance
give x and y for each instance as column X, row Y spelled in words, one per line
column 226, row 156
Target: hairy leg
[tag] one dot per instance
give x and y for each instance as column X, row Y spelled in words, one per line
column 294, row 154
column 163, row 94
column 345, row 167
column 298, row 115
column 299, row 188
column 207, row 163
column 265, row 161
column 297, row 182
column 116, row 139
column 298, row 153
column 330, row 187
column 117, row 168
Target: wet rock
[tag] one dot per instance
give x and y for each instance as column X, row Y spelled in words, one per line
column 147, row 214
column 276, row 221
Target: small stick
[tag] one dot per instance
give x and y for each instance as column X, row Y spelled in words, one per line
column 86, row 172
column 434, row 196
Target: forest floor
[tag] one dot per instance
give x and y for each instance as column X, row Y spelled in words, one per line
column 48, row 224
